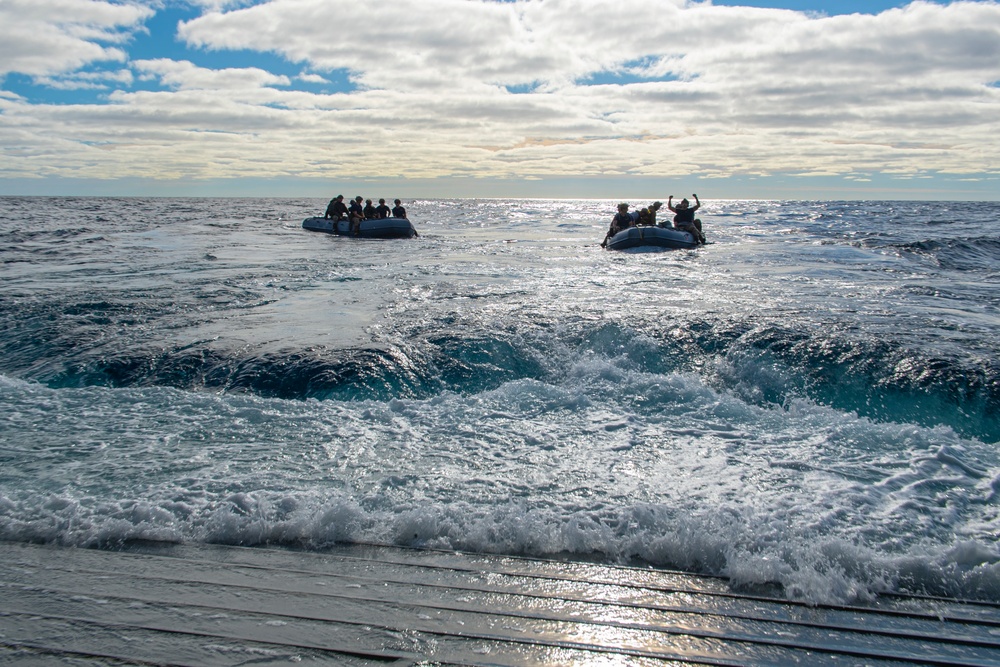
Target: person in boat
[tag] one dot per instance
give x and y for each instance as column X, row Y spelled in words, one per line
column 684, row 219
column 398, row 211
column 369, row 210
column 622, row 220
column 647, row 215
column 356, row 213
column 336, row 209
column 382, row 211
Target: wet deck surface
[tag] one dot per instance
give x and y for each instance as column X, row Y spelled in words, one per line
column 206, row 605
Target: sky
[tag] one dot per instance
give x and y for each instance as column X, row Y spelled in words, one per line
column 501, row 98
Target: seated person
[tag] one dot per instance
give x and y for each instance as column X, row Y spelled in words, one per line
column 336, row 209
column 356, row 213
column 398, row 211
column 622, row 220
column 647, row 216
column 382, row 211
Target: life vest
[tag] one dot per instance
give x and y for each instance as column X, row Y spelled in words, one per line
column 684, row 216
column 622, row 220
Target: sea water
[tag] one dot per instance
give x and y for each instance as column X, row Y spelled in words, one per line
column 812, row 400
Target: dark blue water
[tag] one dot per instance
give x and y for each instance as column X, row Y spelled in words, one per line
column 811, row 400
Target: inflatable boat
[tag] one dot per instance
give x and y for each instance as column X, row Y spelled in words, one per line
column 383, row 228
column 652, row 237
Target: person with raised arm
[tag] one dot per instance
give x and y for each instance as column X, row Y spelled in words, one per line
column 684, row 219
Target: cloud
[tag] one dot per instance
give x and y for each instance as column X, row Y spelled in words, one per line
column 51, row 37
column 311, row 78
column 183, row 75
column 97, row 80
column 524, row 89
column 416, row 44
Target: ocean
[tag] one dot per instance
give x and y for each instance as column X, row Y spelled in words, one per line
column 811, row 400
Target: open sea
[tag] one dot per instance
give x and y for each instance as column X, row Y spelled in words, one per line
column 811, row 400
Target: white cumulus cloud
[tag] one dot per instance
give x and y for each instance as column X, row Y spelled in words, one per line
column 50, row 37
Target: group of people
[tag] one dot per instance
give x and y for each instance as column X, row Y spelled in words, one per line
column 684, row 219
column 361, row 209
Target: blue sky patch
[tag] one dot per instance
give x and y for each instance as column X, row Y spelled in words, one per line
column 523, row 88
column 627, row 73
column 827, row 7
